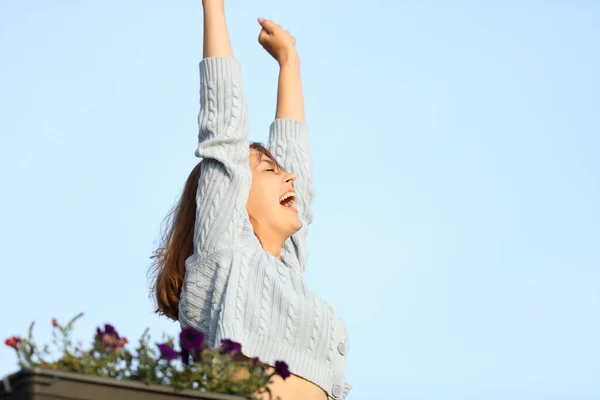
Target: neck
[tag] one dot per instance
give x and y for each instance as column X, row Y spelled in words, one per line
column 270, row 243
column 274, row 250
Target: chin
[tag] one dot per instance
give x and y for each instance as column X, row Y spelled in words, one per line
column 293, row 226
column 297, row 226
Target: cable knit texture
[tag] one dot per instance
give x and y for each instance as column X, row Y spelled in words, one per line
column 233, row 288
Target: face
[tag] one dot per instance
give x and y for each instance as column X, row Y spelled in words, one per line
column 271, row 202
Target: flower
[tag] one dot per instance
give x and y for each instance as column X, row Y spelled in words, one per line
column 185, row 357
column 190, row 339
column 230, row 347
column 254, row 362
column 13, row 342
column 108, row 328
column 281, row 369
column 193, row 364
column 167, row 352
column 109, row 337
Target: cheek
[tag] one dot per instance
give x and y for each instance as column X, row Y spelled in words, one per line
column 252, row 203
column 261, row 197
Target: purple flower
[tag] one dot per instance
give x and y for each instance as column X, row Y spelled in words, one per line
column 108, row 337
column 167, row 352
column 108, row 328
column 185, row 357
column 190, row 339
column 230, row 347
column 254, row 362
column 281, row 369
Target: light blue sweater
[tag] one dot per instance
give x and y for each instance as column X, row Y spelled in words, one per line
column 233, row 288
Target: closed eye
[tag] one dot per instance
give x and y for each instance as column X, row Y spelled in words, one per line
column 273, row 166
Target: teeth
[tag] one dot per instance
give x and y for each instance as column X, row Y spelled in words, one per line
column 287, row 196
column 290, row 204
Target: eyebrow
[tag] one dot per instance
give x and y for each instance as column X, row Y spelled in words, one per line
column 270, row 162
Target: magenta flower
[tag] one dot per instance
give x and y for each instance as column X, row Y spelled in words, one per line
column 282, row 369
column 190, row 339
column 230, row 347
column 167, row 352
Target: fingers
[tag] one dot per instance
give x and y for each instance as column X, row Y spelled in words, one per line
column 262, row 36
column 268, row 25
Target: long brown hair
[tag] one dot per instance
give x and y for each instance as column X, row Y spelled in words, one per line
column 177, row 244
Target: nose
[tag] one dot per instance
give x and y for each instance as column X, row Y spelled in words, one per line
column 289, row 177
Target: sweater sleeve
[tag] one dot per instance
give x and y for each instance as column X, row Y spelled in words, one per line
column 225, row 177
column 289, row 144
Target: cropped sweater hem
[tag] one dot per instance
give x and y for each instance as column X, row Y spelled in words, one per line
column 300, row 364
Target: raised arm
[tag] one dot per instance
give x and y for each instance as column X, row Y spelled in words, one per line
column 280, row 44
column 225, row 177
column 216, row 35
column 288, row 137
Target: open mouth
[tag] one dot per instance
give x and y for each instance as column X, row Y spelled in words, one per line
column 288, row 199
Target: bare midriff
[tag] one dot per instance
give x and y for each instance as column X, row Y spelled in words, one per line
column 292, row 388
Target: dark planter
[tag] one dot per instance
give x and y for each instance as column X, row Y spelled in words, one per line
column 42, row 384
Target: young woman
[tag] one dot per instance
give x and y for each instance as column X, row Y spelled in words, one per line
column 232, row 262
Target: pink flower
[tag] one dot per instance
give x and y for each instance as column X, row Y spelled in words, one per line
column 122, row 342
column 13, row 342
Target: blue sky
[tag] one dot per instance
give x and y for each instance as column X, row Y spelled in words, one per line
column 457, row 217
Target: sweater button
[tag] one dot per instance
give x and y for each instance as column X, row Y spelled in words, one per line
column 342, row 348
column 336, row 390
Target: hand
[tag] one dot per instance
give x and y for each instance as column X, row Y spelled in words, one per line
column 279, row 43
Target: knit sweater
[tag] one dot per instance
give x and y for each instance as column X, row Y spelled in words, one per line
column 233, row 288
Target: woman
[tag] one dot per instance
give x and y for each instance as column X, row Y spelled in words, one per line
column 232, row 262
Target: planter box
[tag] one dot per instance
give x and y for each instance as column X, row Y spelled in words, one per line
column 42, row 384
